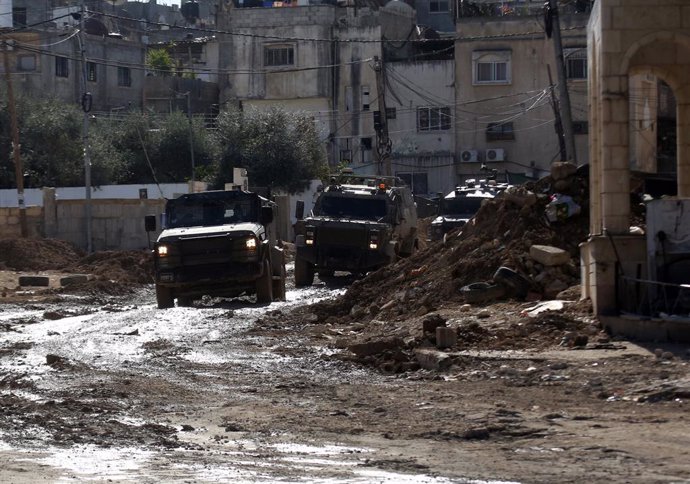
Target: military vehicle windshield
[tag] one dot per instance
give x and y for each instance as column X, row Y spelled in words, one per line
column 362, row 208
column 461, row 205
column 212, row 209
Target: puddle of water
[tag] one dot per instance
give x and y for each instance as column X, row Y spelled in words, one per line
column 90, row 462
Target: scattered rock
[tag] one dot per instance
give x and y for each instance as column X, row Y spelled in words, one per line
column 375, row 347
column 548, row 255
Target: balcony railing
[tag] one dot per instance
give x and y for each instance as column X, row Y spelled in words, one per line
column 652, row 299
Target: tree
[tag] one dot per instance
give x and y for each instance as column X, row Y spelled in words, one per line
column 159, row 62
column 51, row 148
column 279, row 149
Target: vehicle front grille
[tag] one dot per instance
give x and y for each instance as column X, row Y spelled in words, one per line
column 216, row 250
column 343, row 237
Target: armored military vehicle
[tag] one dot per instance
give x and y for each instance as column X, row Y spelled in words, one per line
column 358, row 224
column 217, row 243
column 460, row 205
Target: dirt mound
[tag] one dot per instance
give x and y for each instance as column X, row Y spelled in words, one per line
column 37, row 254
column 124, row 267
column 501, row 234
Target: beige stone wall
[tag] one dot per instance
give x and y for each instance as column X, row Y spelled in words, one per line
column 626, row 39
column 10, row 226
column 116, row 224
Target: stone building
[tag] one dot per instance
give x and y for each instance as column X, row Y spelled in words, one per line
column 642, row 275
column 504, row 114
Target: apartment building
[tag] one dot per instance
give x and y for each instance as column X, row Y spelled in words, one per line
column 505, row 87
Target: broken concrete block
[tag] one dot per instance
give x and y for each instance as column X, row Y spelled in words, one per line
column 560, row 170
column 73, row 279
column 375, row 347
column 548, row 255
column 43, row 281
column 446, row 337
column 432, row 359
column 432, row 321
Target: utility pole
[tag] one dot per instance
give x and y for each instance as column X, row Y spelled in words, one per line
column 191, row 136
column 383, row 142
column 18, row 167
column 86, row 107
column 553, row 30
column 557, row 117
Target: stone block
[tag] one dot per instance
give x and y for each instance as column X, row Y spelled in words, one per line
column 560, row 170
column 375, row 347
column 73, row 279
column 432, row 359
column 39, row 281
column 446, row 337
column 548, row 255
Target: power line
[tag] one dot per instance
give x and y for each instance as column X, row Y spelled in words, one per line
column 349, row 41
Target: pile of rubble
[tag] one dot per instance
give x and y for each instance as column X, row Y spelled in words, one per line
column 388, row 315
column 42, row 260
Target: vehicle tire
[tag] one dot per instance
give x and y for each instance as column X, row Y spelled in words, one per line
column 264, row 285
column 164, row 297
column 516, row 284
column 304, row 273
column 481, row 292
column 279, row 285
column 185, row 301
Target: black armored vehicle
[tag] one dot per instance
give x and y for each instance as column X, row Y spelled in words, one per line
column 217, row 243
column 460, row 205
column 358, row 224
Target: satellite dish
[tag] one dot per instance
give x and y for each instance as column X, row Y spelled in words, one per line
column 398, row 19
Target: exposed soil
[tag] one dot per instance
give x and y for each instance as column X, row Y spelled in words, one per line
column 522, row 395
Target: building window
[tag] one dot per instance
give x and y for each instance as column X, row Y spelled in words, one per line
column 61, row 67
column 433, row 119
column 580, row 127
column 346, row 156
column 491, row 67
column 26, row 63
column 366, row 146
column 365, row 98
column 91, row 72
column 279, row 55
column 438, row 6
column 417, row 182
column 500, row 132
column 124, row 77
column 576, row 63
column 19, row 17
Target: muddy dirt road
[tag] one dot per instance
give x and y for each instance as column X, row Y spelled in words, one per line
column 113, row 389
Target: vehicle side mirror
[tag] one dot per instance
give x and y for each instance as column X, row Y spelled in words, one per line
column 299, row 210
column 266, row 215
column 150, row 223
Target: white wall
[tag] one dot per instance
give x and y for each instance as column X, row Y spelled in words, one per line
column 34, row 196
column 5, row 13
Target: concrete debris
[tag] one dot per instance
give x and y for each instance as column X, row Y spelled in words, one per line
column 548, row 255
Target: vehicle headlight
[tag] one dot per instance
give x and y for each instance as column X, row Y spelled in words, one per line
column 309, row 236
column 162, row 250
column 250, row 243
column 373, row 240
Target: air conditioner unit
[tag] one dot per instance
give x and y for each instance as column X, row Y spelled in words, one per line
column 495, row 154
column 469, row 156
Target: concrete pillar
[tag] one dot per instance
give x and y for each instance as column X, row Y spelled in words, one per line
column 50, row 219
column 615, row 180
